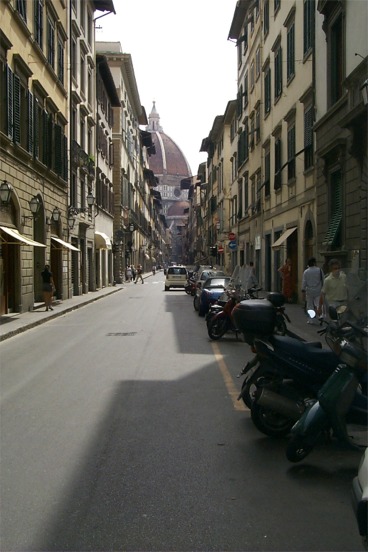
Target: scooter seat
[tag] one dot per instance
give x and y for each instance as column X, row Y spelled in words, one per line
column 305, row 353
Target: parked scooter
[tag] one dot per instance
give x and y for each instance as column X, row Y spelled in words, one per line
column 222, row 322
column 277, row 362
column 217, row 307
column 343, row 399
column 190, row 286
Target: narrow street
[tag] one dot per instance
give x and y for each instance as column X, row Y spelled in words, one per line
column 120, row 430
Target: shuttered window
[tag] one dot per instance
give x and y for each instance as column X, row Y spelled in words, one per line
column 278, row 157
column 308, row 138
column 10, row 101
column 278, row 73
column 267, row 86
column 333, row 235
column 290, row 66
column 30, row 116
column 38, row 22
column 291, row 153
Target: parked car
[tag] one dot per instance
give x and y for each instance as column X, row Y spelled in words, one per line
column 207, row 273
column 210, row 291
column 176, row 277
column 199, row 283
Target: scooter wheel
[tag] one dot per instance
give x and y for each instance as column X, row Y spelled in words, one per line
column 269, row 422
column 297, row 449
column 196, row 302
column 217, row 328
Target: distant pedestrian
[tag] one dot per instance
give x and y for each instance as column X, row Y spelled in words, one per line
column 287, row 284
column 312, row 282
column 128, row 274
column 252, row 278
column 134, row 272
column 139, row 274
column 47, row 287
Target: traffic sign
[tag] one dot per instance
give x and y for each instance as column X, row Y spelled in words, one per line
column 232, row 245
column 220, row 249
column 232, row 236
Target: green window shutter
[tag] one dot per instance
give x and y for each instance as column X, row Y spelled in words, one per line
column 333, row 231
column 16, row 112
column 30, row 137
column 58, row 150
column 45, row 138
column 10, row 101
column 36, row 126
column 65, row 158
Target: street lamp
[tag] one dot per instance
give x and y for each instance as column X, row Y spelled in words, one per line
column 35, row 206
column 5, row 192
column 71, row 218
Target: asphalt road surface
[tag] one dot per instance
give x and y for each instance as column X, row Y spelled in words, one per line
column 120, row 431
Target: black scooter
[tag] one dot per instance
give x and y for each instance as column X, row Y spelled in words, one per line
column 342, row 405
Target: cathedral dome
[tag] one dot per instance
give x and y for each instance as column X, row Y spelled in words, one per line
column 168, row 163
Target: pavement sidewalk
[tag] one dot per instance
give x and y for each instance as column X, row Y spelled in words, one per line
column 16, row 323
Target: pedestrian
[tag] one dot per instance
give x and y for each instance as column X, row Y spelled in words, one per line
column 47, row 287
column 134, row 272
column 139, row 274
column 334, row 291
column 252, row 278
column 287, row 285
column 128, row 274
column 312, row 282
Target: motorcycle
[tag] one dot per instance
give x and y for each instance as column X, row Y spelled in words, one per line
column 342, row 405
column 217, row 307
column 221, row 322
column 190, row 287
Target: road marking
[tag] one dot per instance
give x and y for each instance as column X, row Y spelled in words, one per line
column 233, row 392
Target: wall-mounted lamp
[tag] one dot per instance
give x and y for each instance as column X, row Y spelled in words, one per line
column 71, row 218
column 5, row 192
column 55, row 216
column 90, row 199
column 131, row 227
column 34, row 206
column 364, row 91
column 90, row 203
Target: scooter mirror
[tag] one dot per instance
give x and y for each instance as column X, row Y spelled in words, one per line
column 311, row 313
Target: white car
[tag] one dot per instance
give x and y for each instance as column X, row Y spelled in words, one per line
column 176, row 277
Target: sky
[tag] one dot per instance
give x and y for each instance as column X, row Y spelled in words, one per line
column 182, row 60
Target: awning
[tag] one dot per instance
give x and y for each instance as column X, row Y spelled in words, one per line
column 102, row 241
column 284, row 237
column 19, row 237
column 64, row 244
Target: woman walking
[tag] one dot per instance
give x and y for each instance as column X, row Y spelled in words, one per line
column 47, row 287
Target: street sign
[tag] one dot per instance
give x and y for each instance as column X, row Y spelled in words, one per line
column 232, row 236
column 232, row 245
column 220, row 249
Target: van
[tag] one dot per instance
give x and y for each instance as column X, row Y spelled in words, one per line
column 176, row 277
